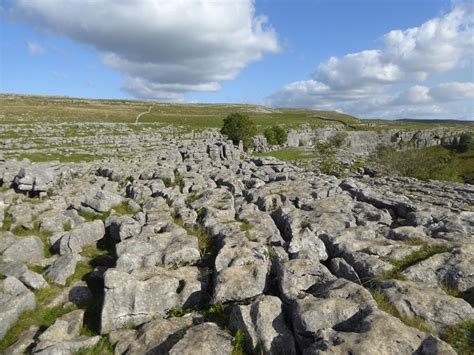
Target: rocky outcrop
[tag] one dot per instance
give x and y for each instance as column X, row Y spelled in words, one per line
column 172, row 246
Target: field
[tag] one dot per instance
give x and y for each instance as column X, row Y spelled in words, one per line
column 22, row 109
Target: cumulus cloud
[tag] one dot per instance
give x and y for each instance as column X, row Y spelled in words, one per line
column 361, row 83
column 34, row 48
column 163, row 48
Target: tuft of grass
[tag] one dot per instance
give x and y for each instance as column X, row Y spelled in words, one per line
column 461, row 337
column 245, row 226
column 193, row 197
column 36, row 268
column 167, row 181
column 82, row 269
column 7, row 222
column 204, row 239
column 178, row 312
column 451, row 291
column 271, row 252
column 67, row 227
column 384, row 305
column 414, row 241
column 90, row 216
column 423, row 253
column 238, row 343
column 103, row 347
column 217, row 314
column 123, row 209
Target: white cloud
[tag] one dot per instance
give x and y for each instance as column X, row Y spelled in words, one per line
column 415, row 95
column 34, row 48
column 453, row 91
column 360, row 83
column 163, row 48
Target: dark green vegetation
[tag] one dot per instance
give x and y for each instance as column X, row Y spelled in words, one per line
column 466, row 143
column 461, row 337
column 238, row 127
column 275, row 135
column 436, row 163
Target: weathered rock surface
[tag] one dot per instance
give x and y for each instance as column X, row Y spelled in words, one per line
column 63, row 337
column 29, row 278
column 191, row 237
column 24, row 249
column 206, row 338
column 85, row 234
column 63, row 267
column 430, row 304
column 264, row 326
column 15, row 299
column 136, row 298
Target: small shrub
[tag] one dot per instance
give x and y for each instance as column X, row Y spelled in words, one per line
column 270, row 136
column 275, row 135
column 466, row 143
column 238, row 127
column 436, row 163
column 338, row 140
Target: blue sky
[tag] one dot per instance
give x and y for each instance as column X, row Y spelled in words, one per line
column 370, row 58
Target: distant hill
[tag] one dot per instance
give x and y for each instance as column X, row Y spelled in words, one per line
column 441, row 122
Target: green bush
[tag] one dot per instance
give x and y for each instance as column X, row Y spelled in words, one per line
column 280, row 134
column 435, row 163
column 339, row 139
column 270, row 136
column 238, row 127
column 466, row 143
column 275, row 135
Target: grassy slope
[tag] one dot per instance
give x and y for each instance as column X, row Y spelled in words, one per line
column 20, row 109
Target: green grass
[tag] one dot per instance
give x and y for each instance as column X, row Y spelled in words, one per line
column 461, row 337
column 425, row 252
column 103, row 347
column 123, row 209
column 289, row 154
column 466, row 166
column 44, row 157
column 217, row 314
column 192, row 198
column 238, row 343
column 90, row 216
column 179, row 312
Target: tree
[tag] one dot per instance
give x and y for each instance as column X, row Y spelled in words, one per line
column 238, row 127
column 270, row 136
column 275, row 135
column 466, row 142
column 280, row 134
